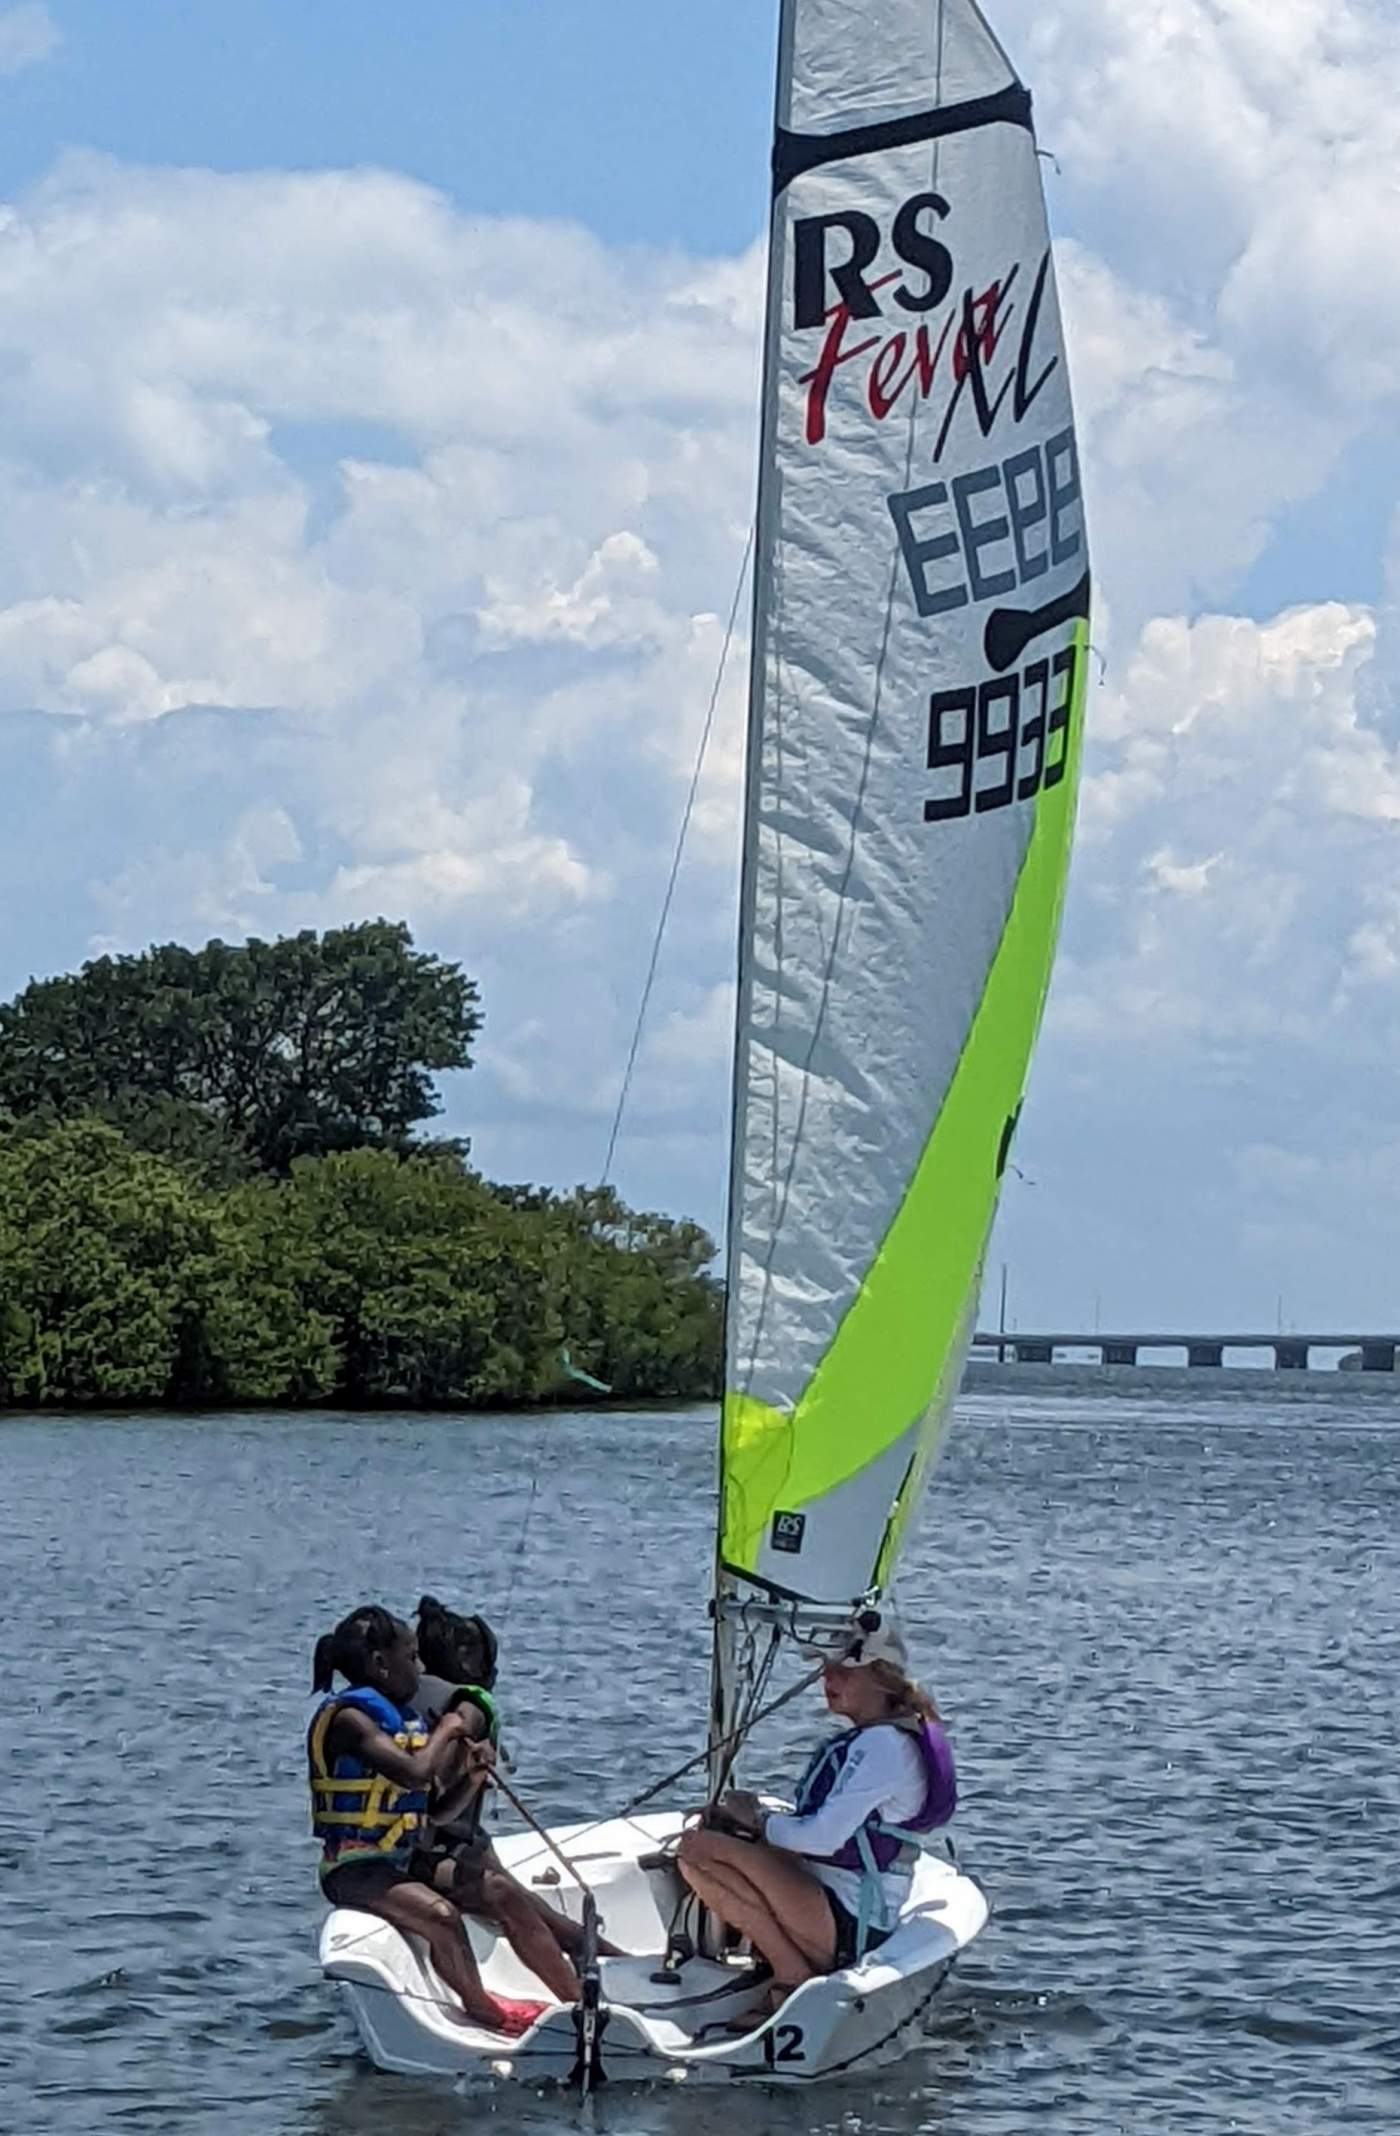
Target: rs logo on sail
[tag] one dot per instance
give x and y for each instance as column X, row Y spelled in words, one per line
column 833, row 256
column 910, row 240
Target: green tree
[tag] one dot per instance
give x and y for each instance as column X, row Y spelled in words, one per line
column 121, row 1280
column 431, row 1289
column 641, row 1311
column 102, row 1252
column 260, row 1053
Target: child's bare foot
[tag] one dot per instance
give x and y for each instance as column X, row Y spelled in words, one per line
column 514, row 2018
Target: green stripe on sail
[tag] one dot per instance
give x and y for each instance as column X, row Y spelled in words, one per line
column 900, row 1337
column 930, row 1438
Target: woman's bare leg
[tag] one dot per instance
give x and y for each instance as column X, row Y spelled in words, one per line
column 770, row 1897
column 734, row 1903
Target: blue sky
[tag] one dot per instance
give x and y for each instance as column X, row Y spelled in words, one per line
column 649, row 123
column 377, row 406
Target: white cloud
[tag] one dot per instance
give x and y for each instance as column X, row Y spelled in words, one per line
column 524, row 602
column 28, row 35
column 230, row 891
column 1200, row 133
column 1240, row 859
column 377, row 556
column 704, row 1033
column 610, row 603
column 1230, row 174
column 1186, row 477
column 372, row 562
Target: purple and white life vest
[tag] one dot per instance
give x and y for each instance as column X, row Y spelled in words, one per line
column 886, row 1841
column 877, row 1845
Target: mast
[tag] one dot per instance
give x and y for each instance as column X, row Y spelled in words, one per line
column 723, row 1587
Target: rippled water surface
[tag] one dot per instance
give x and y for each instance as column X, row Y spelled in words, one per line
column 1165, row 1622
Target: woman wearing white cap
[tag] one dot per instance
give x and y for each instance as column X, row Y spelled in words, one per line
column 816, row 1888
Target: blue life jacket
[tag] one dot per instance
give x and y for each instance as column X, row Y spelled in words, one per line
column 877, row 1845
column 356, row 1813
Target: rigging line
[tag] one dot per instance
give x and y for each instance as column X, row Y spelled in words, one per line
column 757, row 1676
column 626, row 1814
column 517, row 1555
column 938, row 82
column 804, row 1683
column 935, row 175
column 503, row 1787
column 701, row 1757
column 689, row 810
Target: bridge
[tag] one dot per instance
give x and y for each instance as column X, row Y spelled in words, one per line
column 1291, row 1353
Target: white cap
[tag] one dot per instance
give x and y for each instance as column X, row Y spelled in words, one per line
column 873, row 1636
column 881, row 1641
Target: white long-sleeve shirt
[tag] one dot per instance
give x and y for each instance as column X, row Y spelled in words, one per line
column 882, row 1772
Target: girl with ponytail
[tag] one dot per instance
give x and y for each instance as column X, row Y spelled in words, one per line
column 375, row 1770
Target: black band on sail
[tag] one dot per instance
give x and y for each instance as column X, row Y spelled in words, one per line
column 774, row 1592
column 794, row 153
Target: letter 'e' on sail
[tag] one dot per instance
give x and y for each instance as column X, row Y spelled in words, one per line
column 922, row 605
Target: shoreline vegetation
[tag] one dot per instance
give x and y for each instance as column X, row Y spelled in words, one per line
column 215, row 1192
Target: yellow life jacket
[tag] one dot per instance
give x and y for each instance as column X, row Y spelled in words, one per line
column 356, row 1813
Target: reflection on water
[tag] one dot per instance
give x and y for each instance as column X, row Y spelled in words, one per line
column 1164, row 1617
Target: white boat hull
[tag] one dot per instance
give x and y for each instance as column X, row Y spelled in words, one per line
column 650, row 2029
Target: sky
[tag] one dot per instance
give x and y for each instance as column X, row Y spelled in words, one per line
column 377, row 434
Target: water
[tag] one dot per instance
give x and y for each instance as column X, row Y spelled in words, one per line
column 1165, row 1620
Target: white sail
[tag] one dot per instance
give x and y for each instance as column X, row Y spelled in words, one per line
column 920, row 645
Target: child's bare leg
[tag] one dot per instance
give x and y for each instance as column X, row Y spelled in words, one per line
column 568, row 1934
column 418, row 1911
column 532, row 1938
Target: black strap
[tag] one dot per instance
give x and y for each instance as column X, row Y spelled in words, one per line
column 794, row 153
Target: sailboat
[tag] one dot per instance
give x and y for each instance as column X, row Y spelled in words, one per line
column 916, row 708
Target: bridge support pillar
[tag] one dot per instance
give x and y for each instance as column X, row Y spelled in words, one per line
column 1378, row 1357
column 1290, row 1357
column 1119, row 1353
column 1205, row 1353
column 1034, row 1353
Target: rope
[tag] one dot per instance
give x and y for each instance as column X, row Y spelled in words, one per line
column 735, row 1736
column 650, row 980
column 504, row 1787
column 519, row 1552
column 588, row 2009
column 649, row 1794
column 570, row 1369
column 757, row 1680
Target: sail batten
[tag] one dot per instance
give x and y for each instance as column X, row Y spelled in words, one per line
column 921, row 602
